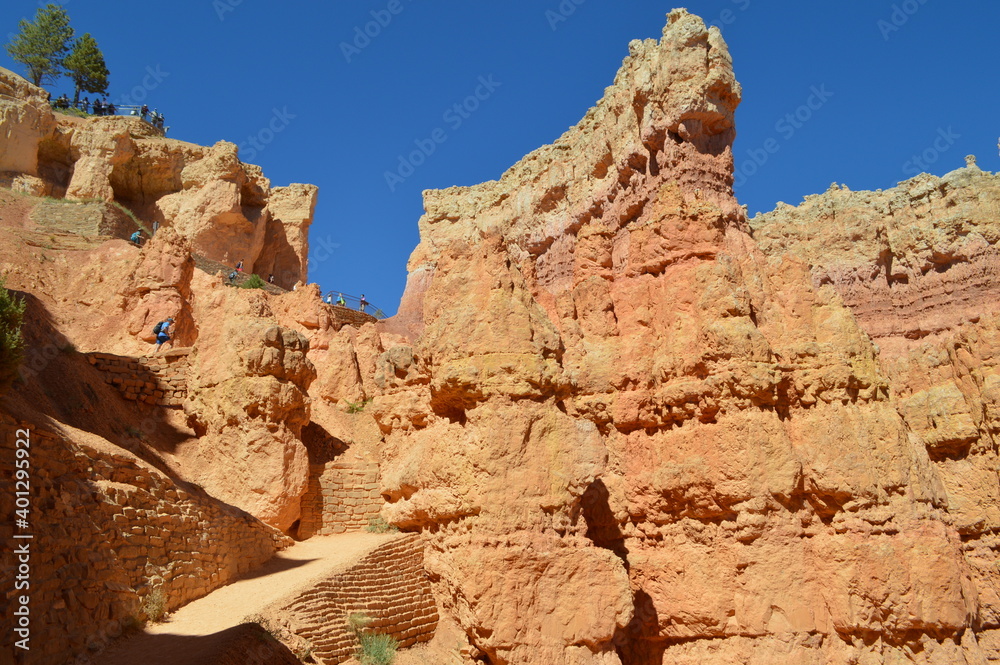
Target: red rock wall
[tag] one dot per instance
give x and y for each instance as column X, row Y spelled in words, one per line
column 918, row 266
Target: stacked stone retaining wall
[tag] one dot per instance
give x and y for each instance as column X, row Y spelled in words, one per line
column 342, row 496
column 159, row 379
column 345, row 316
column 389, row 585
column 109, row 534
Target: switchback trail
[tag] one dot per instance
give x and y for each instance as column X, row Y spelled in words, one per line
column 197, row 632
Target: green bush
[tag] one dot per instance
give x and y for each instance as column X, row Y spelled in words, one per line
column 255, row 282
column 376, row 649
column 75, row 112
column 154, row 606
column 11, row 339
column 379, row 525
column 357, row 407
column 373, row 648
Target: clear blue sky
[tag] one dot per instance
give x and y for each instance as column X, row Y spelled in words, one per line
column 898, row 79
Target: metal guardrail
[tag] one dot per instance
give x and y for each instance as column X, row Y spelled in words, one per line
column 353, row 302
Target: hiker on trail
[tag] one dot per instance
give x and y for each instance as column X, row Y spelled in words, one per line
column 232, row 276
column 136, row 237
column 111, row 109
column 160, row 330
column 270, row 278
column 239, row 266
column 363, row 303
column 329, row 298
column 340, row 300
column 144, row 112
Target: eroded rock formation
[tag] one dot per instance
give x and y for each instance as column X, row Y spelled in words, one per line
column 918, row 266
column 630, row 435
column 227, row 209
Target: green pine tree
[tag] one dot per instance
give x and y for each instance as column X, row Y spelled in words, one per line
column 85, row 65
column 42, row 45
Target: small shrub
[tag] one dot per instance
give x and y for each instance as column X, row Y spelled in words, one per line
column 357, row 407
column 11, row 339
column 75, row 112
column 255, row 282
column 373, row 648
column 154, row 606
column 376, row 649
column 379, row 525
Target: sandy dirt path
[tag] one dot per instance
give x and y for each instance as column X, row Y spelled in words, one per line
column 192, row 634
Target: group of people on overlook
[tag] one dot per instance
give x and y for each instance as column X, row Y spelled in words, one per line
column 101, row 107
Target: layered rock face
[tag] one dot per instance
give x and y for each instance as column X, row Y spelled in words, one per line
column 227, row 209
column 628, row 435
column 918, row 266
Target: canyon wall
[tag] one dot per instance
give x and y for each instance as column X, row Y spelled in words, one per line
column 918, row 266
column 628, row 434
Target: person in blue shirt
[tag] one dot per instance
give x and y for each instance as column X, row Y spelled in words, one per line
column 136, row 237
column 162, row 336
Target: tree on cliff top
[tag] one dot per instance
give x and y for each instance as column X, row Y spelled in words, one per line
column 85, row 65
column 11, row 341
column 41, row 45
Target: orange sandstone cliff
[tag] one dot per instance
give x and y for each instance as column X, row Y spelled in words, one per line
column 629, row 425
column 630, row 433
